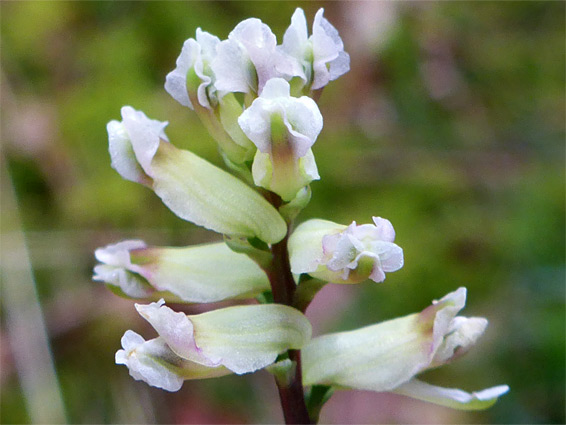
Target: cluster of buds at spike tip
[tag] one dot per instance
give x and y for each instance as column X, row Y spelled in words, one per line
column 256, row 99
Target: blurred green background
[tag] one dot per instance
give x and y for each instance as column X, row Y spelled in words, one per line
column 450, row 124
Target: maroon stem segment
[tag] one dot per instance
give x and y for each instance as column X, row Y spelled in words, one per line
column 283, row 289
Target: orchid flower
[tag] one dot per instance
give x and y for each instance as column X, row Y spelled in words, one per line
column 240, row 339
column 283, row 128
column 194, row 63
column 319, row 58
column 388, row 356
column 192, row 188
column 345, row 254
column 196, row 274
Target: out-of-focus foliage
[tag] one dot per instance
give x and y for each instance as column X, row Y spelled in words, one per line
column 450, row 124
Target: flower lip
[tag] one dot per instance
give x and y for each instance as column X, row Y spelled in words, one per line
column 366, row 244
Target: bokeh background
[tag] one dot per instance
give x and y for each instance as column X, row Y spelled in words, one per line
column 450, row 123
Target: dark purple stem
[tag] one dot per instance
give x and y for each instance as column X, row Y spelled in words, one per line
column 283, row 289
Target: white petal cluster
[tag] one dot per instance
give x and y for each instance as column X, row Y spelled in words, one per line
column 196, row 56
column 319, row 58
column 133, row 142
column 345, row 254
column 283, row 128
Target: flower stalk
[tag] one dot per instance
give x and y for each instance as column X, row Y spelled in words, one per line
column 283, row 288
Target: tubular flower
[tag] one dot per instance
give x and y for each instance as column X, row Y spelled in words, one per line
column 196, row 274
column 387, row 356
column 240, row 339
column 191, row 187
column 319, row 58
column 345, row 254
column 283, row 128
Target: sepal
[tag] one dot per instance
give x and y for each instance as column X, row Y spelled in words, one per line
column 452, row 397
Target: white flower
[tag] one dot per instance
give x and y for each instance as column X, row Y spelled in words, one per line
column 249, row 58
column 283, row 128
column 243, row 338
column 196, row 274
column 196, row 57
column 387, row 356
column 341, row 254
column 319, row 58
column 141, row 152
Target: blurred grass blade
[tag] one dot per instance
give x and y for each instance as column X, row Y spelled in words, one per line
column 25, row 326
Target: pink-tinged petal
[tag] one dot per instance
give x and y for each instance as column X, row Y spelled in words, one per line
column 385, row 229
column 295, row 38
column 156, row 364
column 233, row 69
column 176, row 330
column 296, row 45
column 145, row 135
column 452, row 397
column 330, row 61
column 118, row 254
column 377, row 273
column 176, row 80
column 391, row 256
column 122, row 156
column 442, row 312
column 259, row 43
column 306, row 120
